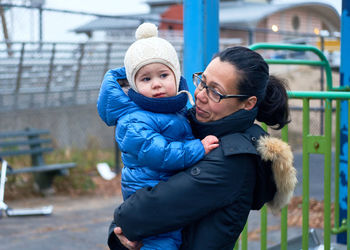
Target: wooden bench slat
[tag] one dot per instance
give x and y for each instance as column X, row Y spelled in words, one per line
column 24, row 142
column 44, row 168
column 25, row 151
column 24, row 133
column 29, row 142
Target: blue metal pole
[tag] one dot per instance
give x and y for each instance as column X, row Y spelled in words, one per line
column 201, row 36
column 344, row 81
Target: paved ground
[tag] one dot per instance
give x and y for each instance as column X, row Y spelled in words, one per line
column 82, row 223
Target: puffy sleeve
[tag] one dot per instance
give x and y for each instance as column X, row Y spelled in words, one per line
column 186, row 197
column 139, row 136
column 112, row 102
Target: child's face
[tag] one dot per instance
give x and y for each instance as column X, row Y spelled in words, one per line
column 155, row 80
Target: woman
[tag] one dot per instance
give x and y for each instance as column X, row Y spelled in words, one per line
column 212, row 199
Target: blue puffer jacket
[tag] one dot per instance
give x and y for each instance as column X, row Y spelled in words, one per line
column 154, row 146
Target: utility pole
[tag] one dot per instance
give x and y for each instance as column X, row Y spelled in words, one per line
column 4, row 29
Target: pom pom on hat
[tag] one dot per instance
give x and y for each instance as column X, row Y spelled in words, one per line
column 146, row 30
column 147, row 49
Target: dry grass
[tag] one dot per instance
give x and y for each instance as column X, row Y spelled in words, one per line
column 82, row 180
column 302, row 78
column 316, row 209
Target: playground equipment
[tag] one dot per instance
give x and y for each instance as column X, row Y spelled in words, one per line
column 46, row 210
column 312, row 144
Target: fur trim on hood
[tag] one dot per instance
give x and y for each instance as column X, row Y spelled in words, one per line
column 284, row 173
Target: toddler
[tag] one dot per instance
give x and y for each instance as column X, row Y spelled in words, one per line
column 152, row 131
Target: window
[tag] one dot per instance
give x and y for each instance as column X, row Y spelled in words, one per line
column 295, row 23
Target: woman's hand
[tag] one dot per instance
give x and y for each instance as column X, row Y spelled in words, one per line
column 132, row 245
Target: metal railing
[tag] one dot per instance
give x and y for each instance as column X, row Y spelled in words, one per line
column 312, row 144
column 38, row 75
column 57, row 74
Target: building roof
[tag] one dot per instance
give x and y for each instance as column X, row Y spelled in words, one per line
column 245, row 14
column 162, row 2
column 117, row 23
column 237, row 14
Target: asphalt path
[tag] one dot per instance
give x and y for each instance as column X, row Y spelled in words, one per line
column 316, row 175
column 76, row 223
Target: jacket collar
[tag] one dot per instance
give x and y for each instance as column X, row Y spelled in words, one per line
column 171, row 104
column 236, row 122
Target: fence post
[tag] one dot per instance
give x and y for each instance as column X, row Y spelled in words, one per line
column 79, row 64
column 49, row 77
column 244, row 237
column 20, row 66
column 284, row 212
column 77, row 74
column 336, row 165
column 108, row 56
column 201, row 35
column 306, row 171
column 52, row 59
column 327, row 174
column 263, row 218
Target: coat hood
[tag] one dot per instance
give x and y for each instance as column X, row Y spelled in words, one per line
column 280, row 155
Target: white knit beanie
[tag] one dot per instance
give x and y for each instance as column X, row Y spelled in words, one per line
column 149, row 48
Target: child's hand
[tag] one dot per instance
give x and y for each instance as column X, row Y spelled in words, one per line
column 209, row 143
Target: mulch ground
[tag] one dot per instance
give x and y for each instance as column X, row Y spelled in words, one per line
column 295, row 211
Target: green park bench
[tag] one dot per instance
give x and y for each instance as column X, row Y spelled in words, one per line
column 33, row 142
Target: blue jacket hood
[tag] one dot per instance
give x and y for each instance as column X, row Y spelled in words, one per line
column 112, row 102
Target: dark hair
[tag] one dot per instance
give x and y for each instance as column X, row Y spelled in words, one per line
column 254, row 80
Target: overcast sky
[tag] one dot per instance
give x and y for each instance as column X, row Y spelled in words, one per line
column 101, row 6
column 58, row 27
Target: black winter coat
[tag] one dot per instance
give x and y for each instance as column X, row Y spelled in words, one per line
column 210, row 200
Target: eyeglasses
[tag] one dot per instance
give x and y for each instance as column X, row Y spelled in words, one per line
column 213, row 94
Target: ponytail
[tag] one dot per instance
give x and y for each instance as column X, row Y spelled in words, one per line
column 254, row 79
column 274, row 110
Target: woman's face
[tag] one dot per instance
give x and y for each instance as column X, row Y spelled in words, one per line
column 222, row 76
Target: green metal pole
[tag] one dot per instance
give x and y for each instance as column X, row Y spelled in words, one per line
column 294, row 62
column 244, row 238
column 236, row 245
column 327, row 174
column 284, row 212
column 263, row 219
column 296, row 47
column 305, row 205
column 263, row 226
column 318, row 95
column 336, row 165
